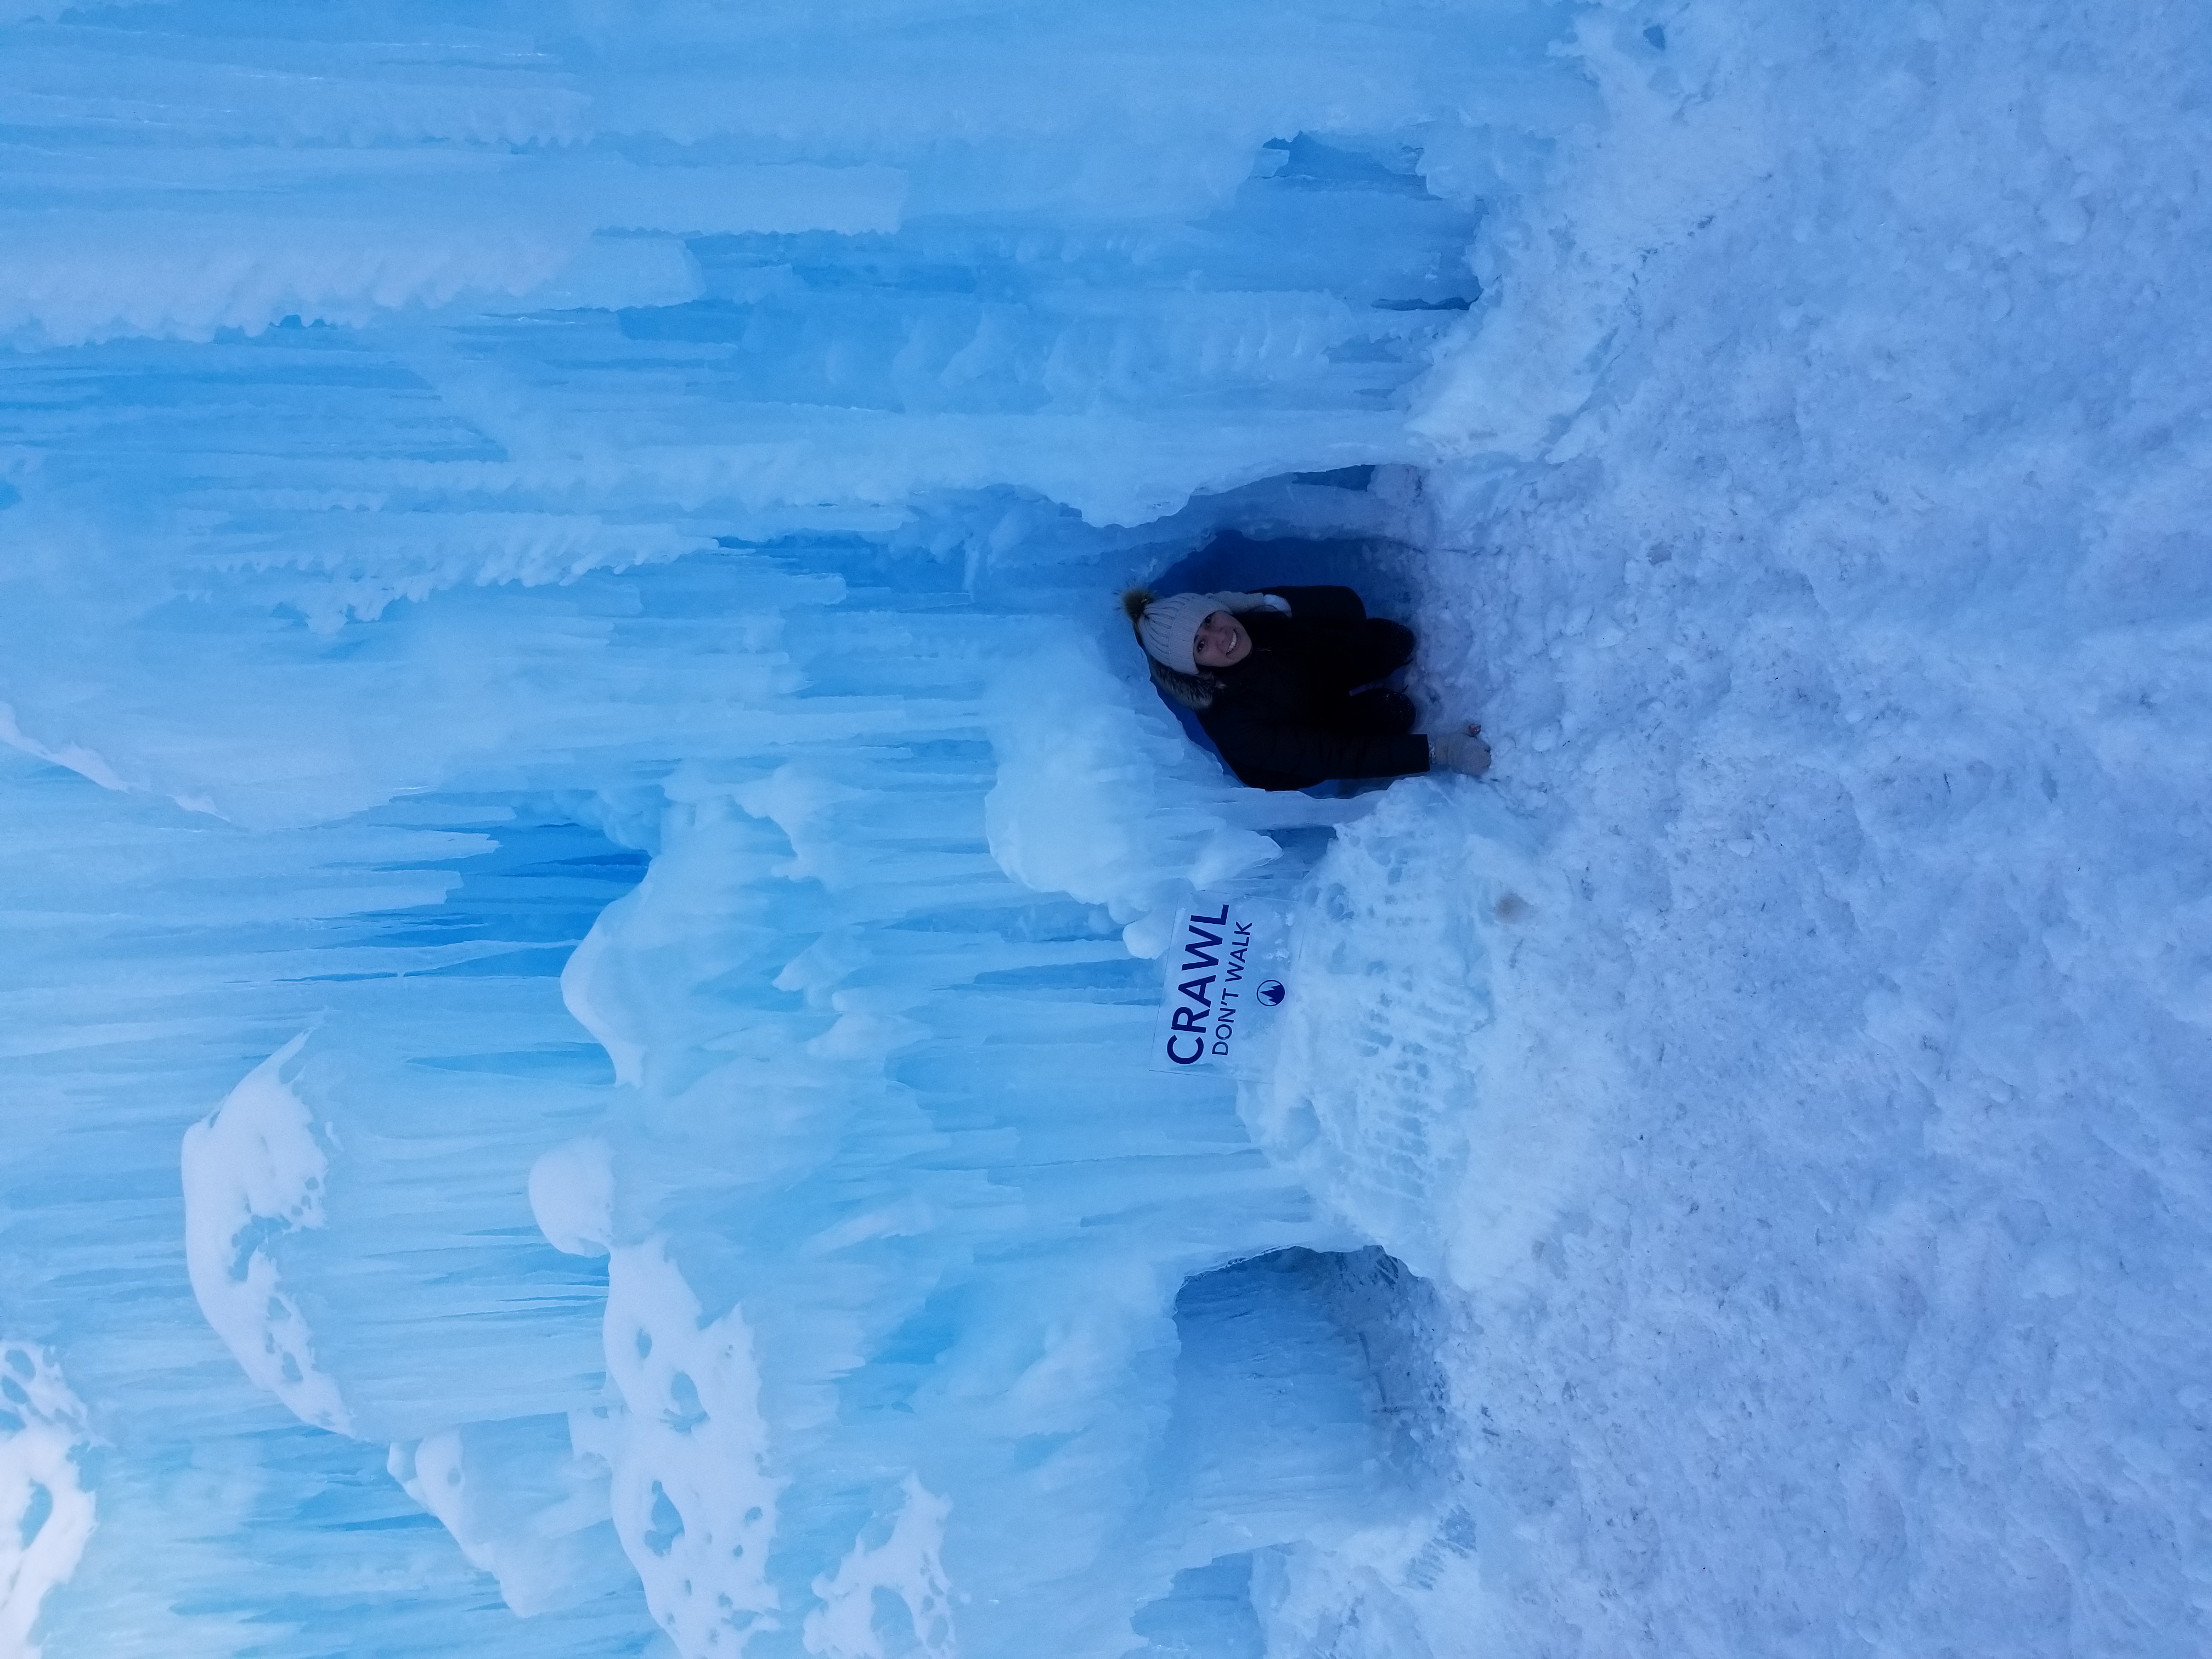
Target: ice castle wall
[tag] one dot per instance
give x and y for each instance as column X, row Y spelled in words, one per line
column 559, row 644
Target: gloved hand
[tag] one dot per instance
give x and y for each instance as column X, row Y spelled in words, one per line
column 1459, row 751
column 1254, row 602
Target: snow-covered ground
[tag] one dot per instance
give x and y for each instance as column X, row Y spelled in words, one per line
column 578, row 784
column 1832, row 1228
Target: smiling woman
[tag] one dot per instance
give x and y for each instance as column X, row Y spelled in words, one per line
column 1285, row 682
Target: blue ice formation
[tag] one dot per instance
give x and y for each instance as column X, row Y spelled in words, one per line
column 587, row 865
column 576, row 778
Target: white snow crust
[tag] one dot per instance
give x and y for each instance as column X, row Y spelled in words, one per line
column 47, row 1509
column 255, row 1171
column 693, row 1502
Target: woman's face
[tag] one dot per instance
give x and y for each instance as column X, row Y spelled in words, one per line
column 1222, row 641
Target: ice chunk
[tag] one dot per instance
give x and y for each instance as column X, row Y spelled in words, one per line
column 903, row 1569
column 253, row 1170
column 693, row 1500
column 625, row 1051
column 1099, row 796
column 1401, row 1088
column 522, row 1506
column 571, row 1193
column 75, row 756
column 47, row 1509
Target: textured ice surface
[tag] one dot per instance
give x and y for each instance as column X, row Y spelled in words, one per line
column 255, row 1171
column 45, row 1512
column 586, row 847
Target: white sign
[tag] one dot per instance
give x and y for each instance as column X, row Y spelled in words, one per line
column 1227, row 977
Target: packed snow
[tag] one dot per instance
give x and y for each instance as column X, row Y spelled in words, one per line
column 594, row 872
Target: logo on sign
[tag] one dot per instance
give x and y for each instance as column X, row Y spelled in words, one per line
column 1270, row 993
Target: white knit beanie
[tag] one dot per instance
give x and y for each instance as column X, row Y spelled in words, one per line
column 1168, row 627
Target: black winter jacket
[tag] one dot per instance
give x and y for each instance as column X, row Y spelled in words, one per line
column 1281, row 717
